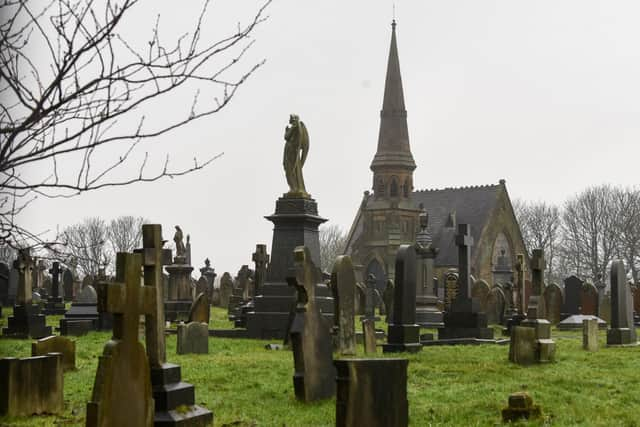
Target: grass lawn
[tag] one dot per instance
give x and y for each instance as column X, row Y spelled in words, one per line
column 246, row 385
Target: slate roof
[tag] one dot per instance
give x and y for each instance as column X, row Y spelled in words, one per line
column 472, row 205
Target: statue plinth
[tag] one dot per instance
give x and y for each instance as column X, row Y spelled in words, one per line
column 296, row 223
column 179, row 297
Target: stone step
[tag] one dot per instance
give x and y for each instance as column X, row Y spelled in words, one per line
column 169, row 396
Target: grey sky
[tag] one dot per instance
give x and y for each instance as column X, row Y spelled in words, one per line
column 543, row 94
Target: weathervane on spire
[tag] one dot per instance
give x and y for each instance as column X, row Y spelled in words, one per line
column 393, row 22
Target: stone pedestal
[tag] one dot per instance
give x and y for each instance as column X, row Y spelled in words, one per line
column 296, row 222
column 26, row 322
column 179, row 299
column 174, row 399
column 54, row 306
column 531, row 343
column 427, row 313
column 372, row 393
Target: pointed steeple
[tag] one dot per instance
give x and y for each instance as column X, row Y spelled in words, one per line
column 393, row 140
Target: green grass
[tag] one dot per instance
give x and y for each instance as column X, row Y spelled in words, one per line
column 246, row 385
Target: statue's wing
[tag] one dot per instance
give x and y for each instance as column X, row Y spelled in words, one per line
column 304, row 142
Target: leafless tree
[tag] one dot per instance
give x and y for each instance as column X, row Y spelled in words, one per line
column 540, row 224
column 74, row 89
column 591, row 230
column 628, row 222
column 332, row 242
column 125, row 233
column 86, row 244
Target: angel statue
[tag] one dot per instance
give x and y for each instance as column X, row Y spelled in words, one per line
column 296, row 148
column 177, row 238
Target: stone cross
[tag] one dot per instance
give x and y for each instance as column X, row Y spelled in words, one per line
column 464, row 241
column 521, row 268
column 537, row 272
column 153, row 258
column 23, row 264
column 55, row 279
column 243, row 282
column 369, row 297
column 261, row 259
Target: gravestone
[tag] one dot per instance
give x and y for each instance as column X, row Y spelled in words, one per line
column 67, row 284
column 480, row 290
column 360, row 296
column 55, row 303
column 523, row 346
column 33, row 385
column 387, row 297
column 193, row 338
column 369, row 336
column 553, row 299
column 496, row 303
column 57, row 344
column 605, row 308
column 370, row 298
column 572, row 294
column 174, row 399
column 622, row 331
column 589, row 299
column 590, row 334
column 178, row 302
column 226, row 287
column 202, row 288
column 124, row 364
column 26, row 320
column 239, row 296
column 209, row 274
column 544, row 347
column 403, row 332
column 260, row 259
column 83, row 315
column 372, row 393
column 464, row 320
column 520, row 407
column 314, row 376
column 4, row 284
column 343, row 284
column 427, row 313
column 450, row 289
column 200, row 311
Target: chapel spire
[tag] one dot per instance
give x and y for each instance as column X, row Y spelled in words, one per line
column 393, row 155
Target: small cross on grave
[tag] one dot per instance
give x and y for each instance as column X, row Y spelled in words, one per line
column 464, row 241
column 370, row 298
column 261, row 259
column 521, row 268
column 23, row 264
column 538, row 264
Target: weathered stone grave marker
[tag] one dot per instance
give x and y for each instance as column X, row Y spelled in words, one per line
column 226, row 287
column 590, row 334
column 623, row 331
column 57, row 344
column 343, row 284
column 193, row 338
column 369, row 336
column 553, row 299
column 427, row 313
column 55, row 303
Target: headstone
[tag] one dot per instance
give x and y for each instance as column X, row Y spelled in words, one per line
column 520, row 407
column 523, row 346
column 193, row 338
column 496, row 303
column 403, row 332
column 372, row 393
column 343, row 282
column 369, row 336
column 623, row 331
column 124, row 364
column 450, row 289
column 605, row 308
column 465, row 319
column 200, row 311
column 174, row 399
column 88, row 295
column 226, row 287
column 26, row 320
column 427, row 313
column 480, row 290
column 553, row 299
column 387, row 296
column 33, row 385
column 57, row 344
column 535, row 308
column 202, row 287
column 260, row 259
column 83, row 315
column 572, row 293
column 55, row 303
column 67, row 284
column 314, row 376
column 589, row 299
column 370, row 298
column 4, row 284
column 590, row 335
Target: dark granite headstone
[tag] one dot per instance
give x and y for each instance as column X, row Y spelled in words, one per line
column 314, row 376
column 572, row 293
column 55, row 302
column 372, row 393
column 67, row 284
column 403, row 332
column 623, row 331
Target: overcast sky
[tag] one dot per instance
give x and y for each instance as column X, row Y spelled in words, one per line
column 541, row 93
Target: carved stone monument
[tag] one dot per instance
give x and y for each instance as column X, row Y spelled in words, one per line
column 343, row 284
column 427, row 313
column 296, row 222
column 622, row 331
column 403, row 332
column 314, row 376
column 178, row 302
column 55, row 303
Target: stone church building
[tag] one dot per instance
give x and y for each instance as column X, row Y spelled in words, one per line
column 389, row 215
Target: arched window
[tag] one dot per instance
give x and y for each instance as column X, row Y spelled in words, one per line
column 393, row 188
column 406, row 188
column 380, row 187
